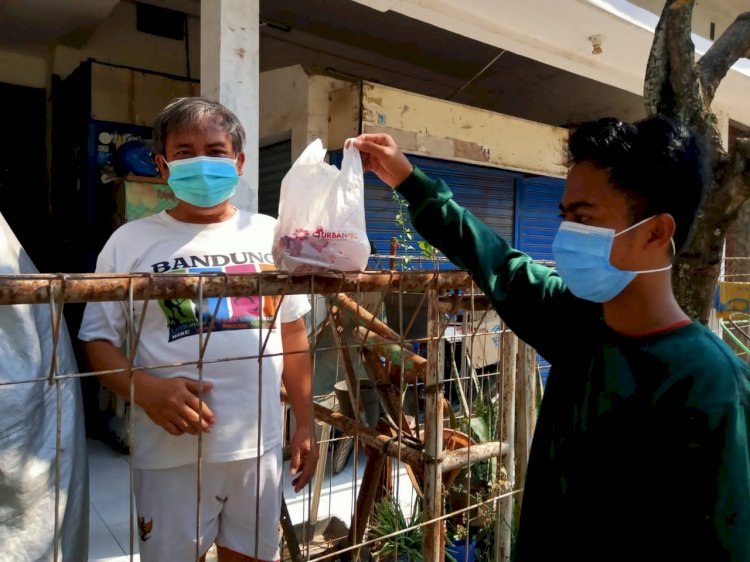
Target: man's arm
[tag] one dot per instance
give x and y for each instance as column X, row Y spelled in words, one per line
column 171, row 403
column 297, row 377
column 530, row 298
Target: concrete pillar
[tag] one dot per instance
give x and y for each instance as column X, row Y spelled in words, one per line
column 230, row 73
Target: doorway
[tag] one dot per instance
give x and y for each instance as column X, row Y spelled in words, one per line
column 24, row 200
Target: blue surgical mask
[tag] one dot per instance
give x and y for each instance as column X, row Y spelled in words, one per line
column 203, row 181
column 582, row 254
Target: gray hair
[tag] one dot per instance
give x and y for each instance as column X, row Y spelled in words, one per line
column 192, row 111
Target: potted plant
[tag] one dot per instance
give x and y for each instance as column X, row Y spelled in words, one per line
column 389, row 518
column 483, row 481
column 460, row 545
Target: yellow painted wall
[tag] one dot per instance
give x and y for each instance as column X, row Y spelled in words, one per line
column 433, row 127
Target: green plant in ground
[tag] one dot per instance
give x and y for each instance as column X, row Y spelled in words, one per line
column 389, row 518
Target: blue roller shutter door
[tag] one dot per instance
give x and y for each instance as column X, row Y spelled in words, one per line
column 488, row 193
column 537, row 220
column 538, row 215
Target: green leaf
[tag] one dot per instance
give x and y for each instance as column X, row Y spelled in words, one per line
column 480, row 428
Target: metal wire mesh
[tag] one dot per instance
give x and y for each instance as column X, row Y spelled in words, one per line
column 424, row 405
column 733, row 305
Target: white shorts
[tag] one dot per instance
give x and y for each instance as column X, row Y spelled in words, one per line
column 166, row 508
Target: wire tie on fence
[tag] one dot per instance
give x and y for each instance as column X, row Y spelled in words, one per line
column 55, row 320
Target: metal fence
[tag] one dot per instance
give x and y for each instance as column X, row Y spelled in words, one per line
column 424, row 405
column 733, row 304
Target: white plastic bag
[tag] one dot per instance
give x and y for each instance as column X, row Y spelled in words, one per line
column 321, row 222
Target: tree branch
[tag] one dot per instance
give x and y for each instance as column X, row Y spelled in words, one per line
column 733, row 44
column 737, row 173
column 657, row 91
column 683, row 75
column 672, row 85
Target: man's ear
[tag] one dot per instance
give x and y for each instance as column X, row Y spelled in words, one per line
column 240, row 163
column 162, row 164
column 662, row 231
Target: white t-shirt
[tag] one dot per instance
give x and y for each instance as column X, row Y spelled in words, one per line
column 160, row 244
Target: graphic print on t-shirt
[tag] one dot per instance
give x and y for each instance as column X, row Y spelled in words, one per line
column 230, row 313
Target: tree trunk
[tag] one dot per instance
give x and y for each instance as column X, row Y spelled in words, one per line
column 679, row 87
column 738, row 246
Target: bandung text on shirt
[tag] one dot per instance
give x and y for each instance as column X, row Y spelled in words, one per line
column 213, row 260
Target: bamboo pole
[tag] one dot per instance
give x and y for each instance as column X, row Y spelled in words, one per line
column 525, row 407
column 325, row 434
column 287, row 528
column 80, row 287
column 350, row 375
column 464, row 457
column 389, row 395
column 433, row 431
column 414, row 366
column 391, row 402
column 364, row 317
column 371, row 482
column 531, row 392
column 507, row 423
column 371, row 437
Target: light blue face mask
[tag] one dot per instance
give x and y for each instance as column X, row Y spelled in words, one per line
column 203, row 181
column 582, row 254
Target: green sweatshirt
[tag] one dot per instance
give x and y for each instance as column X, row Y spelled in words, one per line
column 641, row 448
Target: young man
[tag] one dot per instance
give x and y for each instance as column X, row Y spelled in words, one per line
column 199, row 151
column 641, row 448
